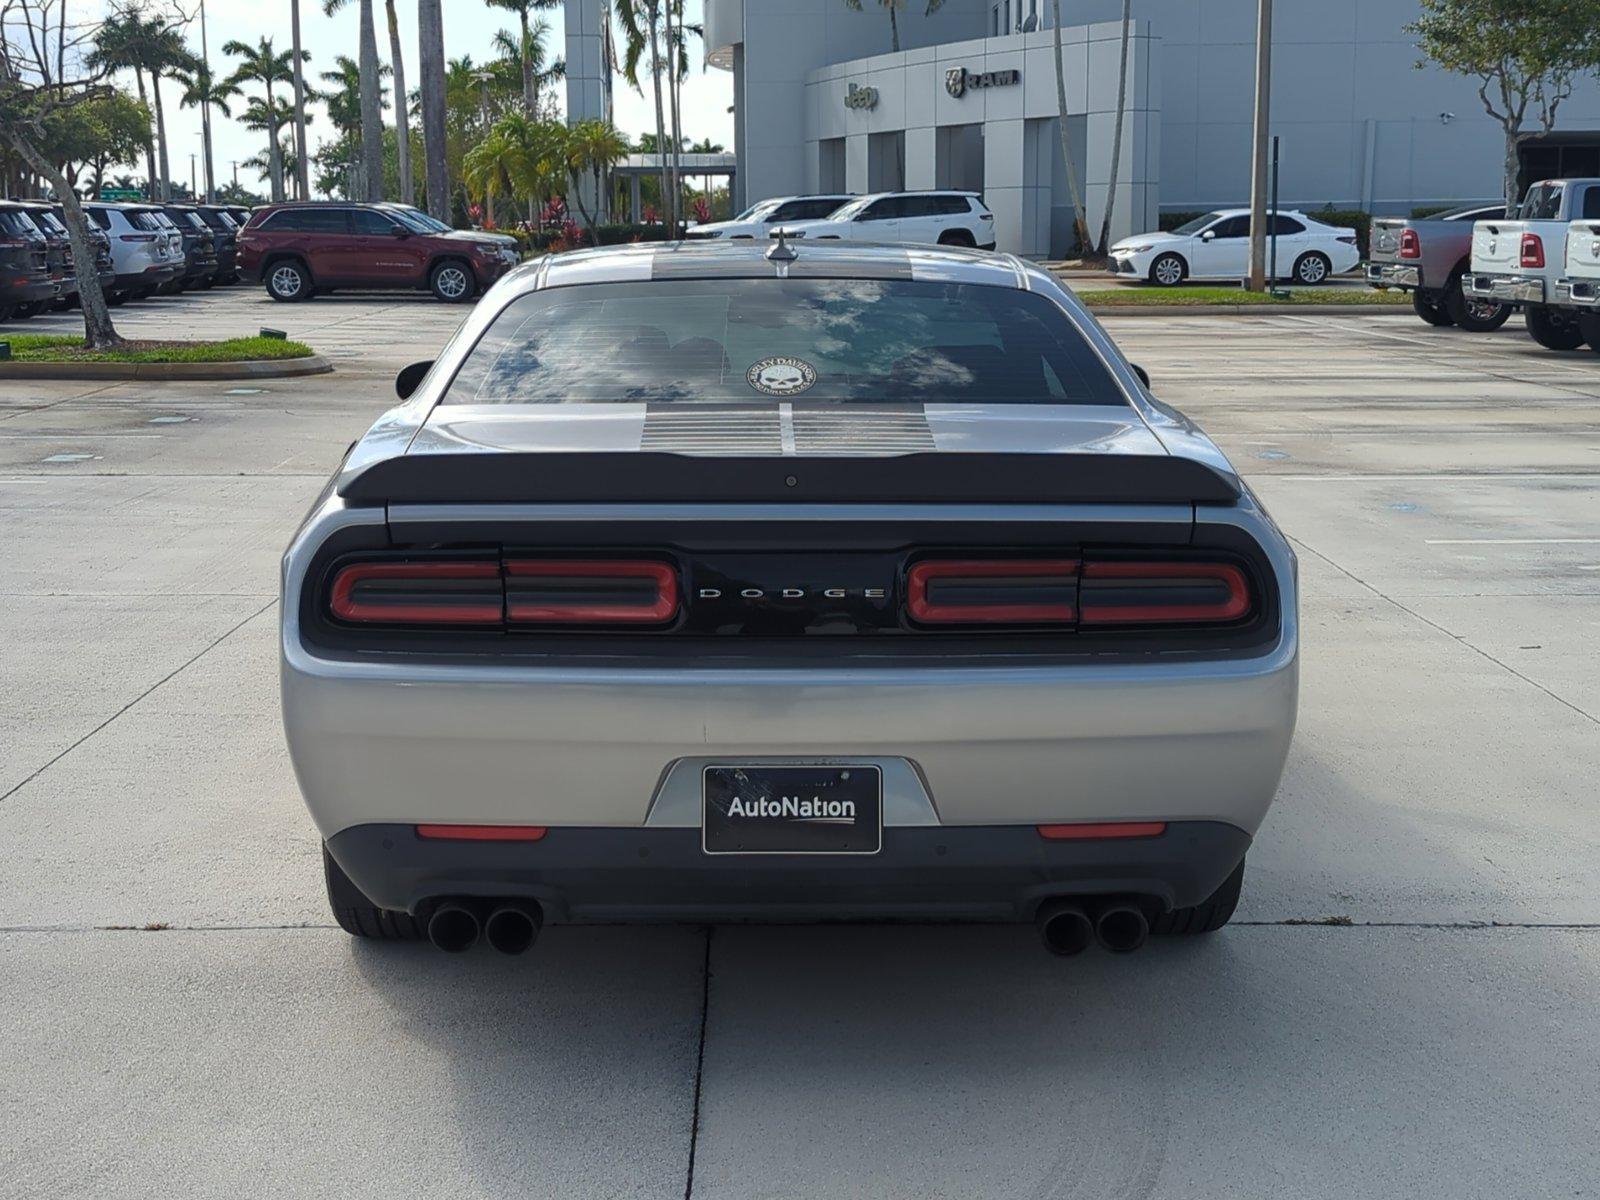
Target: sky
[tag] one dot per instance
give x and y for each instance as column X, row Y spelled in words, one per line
column 469, row 26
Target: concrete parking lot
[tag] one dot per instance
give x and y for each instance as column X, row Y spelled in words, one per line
column 1405, row 1006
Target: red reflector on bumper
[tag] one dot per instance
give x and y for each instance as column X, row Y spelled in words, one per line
column 1103, row 829
column 482, row 833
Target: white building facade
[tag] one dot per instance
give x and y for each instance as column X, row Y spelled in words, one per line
column 823, row 100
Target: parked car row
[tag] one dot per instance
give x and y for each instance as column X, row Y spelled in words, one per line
column 140, row 250
column 1473, row 267
column 942, row 218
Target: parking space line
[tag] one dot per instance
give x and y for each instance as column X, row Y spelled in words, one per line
column 1513, row 542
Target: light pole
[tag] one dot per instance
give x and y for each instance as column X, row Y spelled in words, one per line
column 1258, row 169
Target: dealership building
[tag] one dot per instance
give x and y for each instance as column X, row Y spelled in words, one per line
column 822, row 102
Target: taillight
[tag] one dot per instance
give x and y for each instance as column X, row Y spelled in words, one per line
column 137, row 237
column 590, row 592
column 1532, row 250
column 1146, row 593
column 1410, row 244
column 418, row 593
column 972, row 591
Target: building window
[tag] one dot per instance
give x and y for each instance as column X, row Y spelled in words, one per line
column 994, row 21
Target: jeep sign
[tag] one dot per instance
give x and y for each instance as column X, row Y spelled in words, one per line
column 857, row 96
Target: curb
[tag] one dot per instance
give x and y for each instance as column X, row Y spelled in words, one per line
column 1244, row 310
column 269, row 368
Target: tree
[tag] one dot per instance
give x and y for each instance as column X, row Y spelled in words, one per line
column 402, row 106
column 263, row 64
column 591, row 148
column 529, row 48
column 1080, row 221
column 41, row 105
column 1525, row 55
column 640, row 29
column 343, row 101
column 1116, row 135
column 430, row 55
column 129, row 39
column 201, row 90
column 522, row 158
column 894, row 21
column 371, row 99
column 297, row 59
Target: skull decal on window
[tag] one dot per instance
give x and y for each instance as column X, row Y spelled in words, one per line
column 781, row 376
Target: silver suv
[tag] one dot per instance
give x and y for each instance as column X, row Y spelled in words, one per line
column 146, row 251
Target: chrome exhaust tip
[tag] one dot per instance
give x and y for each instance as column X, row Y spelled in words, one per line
column 1063, row 927
column 513, row 928
column 453, row 927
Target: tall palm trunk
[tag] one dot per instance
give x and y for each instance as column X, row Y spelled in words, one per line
column 530, row 89
column 274, row 151
column 205, row 110
column 302, row 160
column 430, row 52
column 1080, row 221
column 674, row 52
column 667, row 213
column 894, row 30
column 371, row 109
column 149, row 143
column 402, row 105
column 161, row 135
column 1116, row 134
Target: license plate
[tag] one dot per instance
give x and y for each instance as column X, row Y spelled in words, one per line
column 792, row 809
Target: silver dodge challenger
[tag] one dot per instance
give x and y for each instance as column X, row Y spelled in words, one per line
column 724, row 581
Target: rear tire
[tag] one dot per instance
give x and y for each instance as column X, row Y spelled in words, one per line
column 1433, row 311
column 451, row 281
column 1589, row 326
column 287, row 280
column 1210, row 915
column 23, row 311
column 358, row 916
column 1312, row 268
column 5, row 313
column 1552, row 328
column 1472, row 313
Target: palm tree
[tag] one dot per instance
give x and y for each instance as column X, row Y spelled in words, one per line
column 1080, row 222
column 521, row 157
column 640, row 27
column 301, row 95
column 592, row 147
column 1116, row 135
column 430, row 54
column 402, row 104
column 201, row 90
column 268, row 67
column 130, row 40
column 344, row 98
column 118, row 46
column 894, row 21
column 529, row 48
column 371, row 99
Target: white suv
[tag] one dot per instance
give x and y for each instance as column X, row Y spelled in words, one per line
column 945, row 218
column 146, row 248
column 753, row 222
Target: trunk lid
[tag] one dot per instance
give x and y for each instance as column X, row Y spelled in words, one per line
column 1583, row 250
column 1385, row 240
column 1497, row 245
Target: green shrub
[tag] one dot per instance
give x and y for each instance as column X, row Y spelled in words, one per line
column 1171, row 220
column 1349, row 218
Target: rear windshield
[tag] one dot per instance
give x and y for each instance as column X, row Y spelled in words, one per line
column 1542, row 203
column 695, row 340
column 144, row 218
column 47, row 221
column 15, row 222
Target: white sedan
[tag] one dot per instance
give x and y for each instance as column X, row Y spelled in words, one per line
column 1217, row 246
column 754, row 221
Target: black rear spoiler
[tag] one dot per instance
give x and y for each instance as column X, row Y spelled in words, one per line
column 651, row 477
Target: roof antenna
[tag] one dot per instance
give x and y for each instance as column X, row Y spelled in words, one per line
column 781, row 251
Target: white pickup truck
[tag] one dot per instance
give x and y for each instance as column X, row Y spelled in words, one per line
column 1522, row 260
column 1580, row 289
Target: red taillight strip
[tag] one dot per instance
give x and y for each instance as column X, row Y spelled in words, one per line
column 1532, row 250
column 921, row 608
column 482, row 833
column 663, row 608
column 1410, row 244
column 484, row 610
column 1237, row 604
column 1087, row 831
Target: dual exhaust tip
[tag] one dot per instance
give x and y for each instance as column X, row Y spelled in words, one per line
column 1066, row 927
column 509, row 926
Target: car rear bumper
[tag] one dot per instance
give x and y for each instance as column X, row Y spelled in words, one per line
column 1582, row 293
column 970, row 872
column 1507, row 289
column 31, row 291
column 1394, row 275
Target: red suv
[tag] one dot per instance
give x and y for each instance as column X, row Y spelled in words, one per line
column 297, row 250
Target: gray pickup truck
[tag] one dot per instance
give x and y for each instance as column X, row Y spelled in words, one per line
column 1428, row 257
